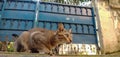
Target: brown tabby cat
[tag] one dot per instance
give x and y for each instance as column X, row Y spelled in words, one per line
column 42, row 40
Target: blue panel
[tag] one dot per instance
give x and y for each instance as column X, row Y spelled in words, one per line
column 8, row 34
column 80, row 20
column 85, row 39
column 16, row 24
column 41, row 25
column 65, row 18
column 20, row 6
column 18, row 15
column 67, row 26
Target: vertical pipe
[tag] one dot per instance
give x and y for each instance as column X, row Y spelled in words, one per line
column 96, row 31
column 98, row 27
column 3, row 7
column 2, row 12
column 36, row 13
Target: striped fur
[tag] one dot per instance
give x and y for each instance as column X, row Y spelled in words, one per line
column 42, row 40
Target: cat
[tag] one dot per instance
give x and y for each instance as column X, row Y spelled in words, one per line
column 42, row 40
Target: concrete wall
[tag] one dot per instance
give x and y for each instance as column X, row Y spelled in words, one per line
column 107, row 28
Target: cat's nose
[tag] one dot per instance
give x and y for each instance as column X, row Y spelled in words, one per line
column 70, row 40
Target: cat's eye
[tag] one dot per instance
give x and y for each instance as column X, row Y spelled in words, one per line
column 67, row 35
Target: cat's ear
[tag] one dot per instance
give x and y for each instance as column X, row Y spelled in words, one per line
column 70, row 30
column 60, row 27
column 55, row 32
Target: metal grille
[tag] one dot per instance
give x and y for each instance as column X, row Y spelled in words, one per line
column 17, row 16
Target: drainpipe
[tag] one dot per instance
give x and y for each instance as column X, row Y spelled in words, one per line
column 36, row 13
column 2, row 12
column 98, row 28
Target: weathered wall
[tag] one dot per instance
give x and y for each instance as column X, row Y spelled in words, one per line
column 110, row 24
